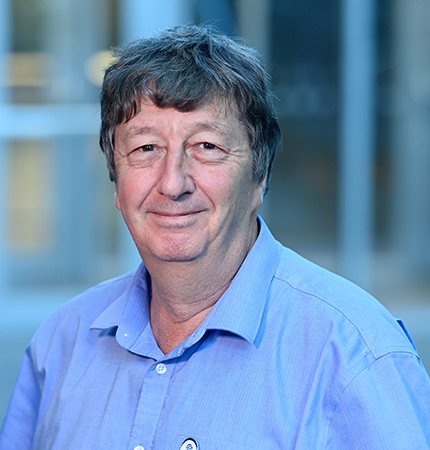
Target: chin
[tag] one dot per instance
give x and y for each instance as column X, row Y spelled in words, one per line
column 176, row 257
column 177, row 252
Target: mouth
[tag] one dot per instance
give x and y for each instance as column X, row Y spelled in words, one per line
column 177, row 219
column 176, row 214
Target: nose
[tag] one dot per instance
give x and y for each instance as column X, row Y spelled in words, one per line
column 175, row 178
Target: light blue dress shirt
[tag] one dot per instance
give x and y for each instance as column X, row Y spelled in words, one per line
column 290, row 357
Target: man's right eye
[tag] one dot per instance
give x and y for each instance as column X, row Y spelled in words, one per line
column 145, row 155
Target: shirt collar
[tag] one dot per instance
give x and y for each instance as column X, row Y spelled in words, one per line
column 239, row 310
column 136, row 292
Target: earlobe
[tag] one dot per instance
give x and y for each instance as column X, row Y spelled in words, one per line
column 259, row 195
column 117, row 204
column 263, row 189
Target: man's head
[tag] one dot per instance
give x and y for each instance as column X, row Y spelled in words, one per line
column 187, row 68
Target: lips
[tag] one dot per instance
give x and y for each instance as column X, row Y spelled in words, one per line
column 174, row 219
column 174, row 214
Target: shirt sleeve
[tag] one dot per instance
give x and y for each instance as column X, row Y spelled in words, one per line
column 386, row 406
column 21, row 417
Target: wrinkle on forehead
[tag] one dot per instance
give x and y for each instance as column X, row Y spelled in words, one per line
column 221, row 111
column 136, row 130
column 222, row 106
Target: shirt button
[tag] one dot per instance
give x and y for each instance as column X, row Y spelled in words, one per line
column 138, row 447
column 161, row 369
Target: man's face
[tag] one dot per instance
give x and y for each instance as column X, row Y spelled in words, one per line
column 185, row 183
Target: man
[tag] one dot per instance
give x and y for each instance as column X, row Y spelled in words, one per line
column 222, row 338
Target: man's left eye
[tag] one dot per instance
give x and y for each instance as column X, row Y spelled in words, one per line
column 208, row 146
column 208, row 152
column 147, row 148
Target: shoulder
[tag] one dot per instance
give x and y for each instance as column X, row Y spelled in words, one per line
column 339, row 307
column 91, row 302
column 73, row 319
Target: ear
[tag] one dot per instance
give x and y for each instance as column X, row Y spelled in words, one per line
column 259, row 194
column 117, row 203
column 263, row 188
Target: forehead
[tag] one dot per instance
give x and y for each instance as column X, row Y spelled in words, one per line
column 216, row 117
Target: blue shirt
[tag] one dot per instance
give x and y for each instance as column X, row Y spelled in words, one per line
column 290, row 357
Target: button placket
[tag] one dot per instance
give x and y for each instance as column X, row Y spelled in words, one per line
column 150, row 408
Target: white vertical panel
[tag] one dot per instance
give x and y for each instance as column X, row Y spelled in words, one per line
column 410, row 133
column 142, row 18
column 356, row 140
column 254, row 24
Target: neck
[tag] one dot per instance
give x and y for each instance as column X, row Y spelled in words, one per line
column 183, row 293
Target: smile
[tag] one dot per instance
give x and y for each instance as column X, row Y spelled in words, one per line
column 175, row 219
column 175, row 214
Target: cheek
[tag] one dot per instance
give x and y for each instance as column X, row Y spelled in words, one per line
column 131, row 188
column 251, row 195
column 220, row 186
column 232, row 190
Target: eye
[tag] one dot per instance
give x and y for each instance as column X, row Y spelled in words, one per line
column 206, row 152
column 208, row 146
column 144, row 155
column 146, row 148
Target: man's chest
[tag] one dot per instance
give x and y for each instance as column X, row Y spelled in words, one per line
column 219, row 396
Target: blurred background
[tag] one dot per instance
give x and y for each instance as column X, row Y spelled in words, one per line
column 350, row 189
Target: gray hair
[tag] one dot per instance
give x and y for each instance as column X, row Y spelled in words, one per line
column 188, row 67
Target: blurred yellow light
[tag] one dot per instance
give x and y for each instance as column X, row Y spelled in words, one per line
column 27, row 68
column 96, row 65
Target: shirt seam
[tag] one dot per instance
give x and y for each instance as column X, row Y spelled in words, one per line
column 337, row 396
column 376, row 356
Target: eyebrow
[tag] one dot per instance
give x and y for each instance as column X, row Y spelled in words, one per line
column 208, row 126
column 139, row 130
